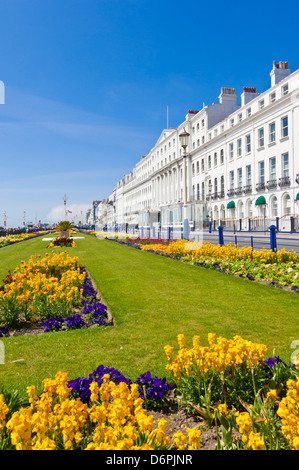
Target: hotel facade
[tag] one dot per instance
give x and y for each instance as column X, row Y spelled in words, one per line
column 240, row 168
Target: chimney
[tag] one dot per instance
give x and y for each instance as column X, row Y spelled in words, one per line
column 228, row 95
column 248, row 94
column 190, row 114
column 279, row 72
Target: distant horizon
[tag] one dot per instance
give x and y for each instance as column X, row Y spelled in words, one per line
column 90, row 86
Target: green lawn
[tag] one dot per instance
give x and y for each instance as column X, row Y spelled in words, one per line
column 152, row 299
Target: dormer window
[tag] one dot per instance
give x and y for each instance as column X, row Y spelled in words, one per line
column 285, row 89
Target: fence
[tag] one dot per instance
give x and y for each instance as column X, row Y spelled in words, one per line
column 270, row 240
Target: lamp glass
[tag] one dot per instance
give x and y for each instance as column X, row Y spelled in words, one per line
column 184, row 137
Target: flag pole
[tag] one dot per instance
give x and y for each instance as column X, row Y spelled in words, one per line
column 64, row 200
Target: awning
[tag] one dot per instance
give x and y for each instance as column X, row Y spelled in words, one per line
column 231, row 205
column 260, row 201
column 297, row 197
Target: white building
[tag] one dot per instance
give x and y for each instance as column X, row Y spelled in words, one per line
column 242, row 164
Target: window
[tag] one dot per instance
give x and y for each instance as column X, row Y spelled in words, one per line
column 197, row 167
column 261, row 104
column 284, row 127
column 248, row 175
column 241, row 210
column 221, row 156
column 209, row 162
column 215, row 185
column 239, row 147
column 231, row 151
column 197, row 195
column 239, row 173
column 272, row 97
column 248, row 112
column 285, row 165
column 262, row 172
column 222, row 184
column 272, row 132
column 286, row 206
column 248, row 143
column 285, row 89
column 203, row 140
column 274, row 207
column 232, row 179
column 193, row 169
column 272, row 168
column 261, row 137
column 215, row 159
column 202, row 191
column 203, row 123
column 232, row 122
column 202, row 165
column 250, row 210
column 240, row 117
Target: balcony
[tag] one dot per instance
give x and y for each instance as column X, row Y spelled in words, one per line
column 214, row 195
column 247, row 189
column 221, row 194
column 238, row 191
column 284, row 181
column 231, row 192
column 272, row 184
column 260, row 186
column 297, row 178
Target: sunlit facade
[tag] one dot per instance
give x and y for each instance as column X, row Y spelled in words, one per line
column 242, row 164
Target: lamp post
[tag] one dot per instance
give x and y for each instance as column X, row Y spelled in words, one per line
column 184, row 138
column 210, row 206
column 64, row 202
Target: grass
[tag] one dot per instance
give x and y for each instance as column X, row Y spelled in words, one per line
column 152, row 299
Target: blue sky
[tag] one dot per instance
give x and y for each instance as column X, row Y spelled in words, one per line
column 88, row 82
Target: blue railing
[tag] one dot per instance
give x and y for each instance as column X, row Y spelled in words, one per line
column 270, row 240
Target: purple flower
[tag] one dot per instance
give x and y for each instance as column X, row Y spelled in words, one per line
column 3, row 332
column 154, row 387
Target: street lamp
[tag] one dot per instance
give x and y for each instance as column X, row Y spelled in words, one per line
column 184, row 138
column 210, row 206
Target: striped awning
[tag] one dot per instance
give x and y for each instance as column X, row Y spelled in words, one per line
column 260, row 201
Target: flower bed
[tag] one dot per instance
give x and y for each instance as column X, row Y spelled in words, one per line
column 278, row 269
column 232, row 384
column 251, row 401
column 12, row 239
column 54, row 292
column 62, row 242
column 151, row 389
column 114, row 419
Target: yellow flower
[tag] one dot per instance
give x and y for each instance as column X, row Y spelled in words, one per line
column 94, row 389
